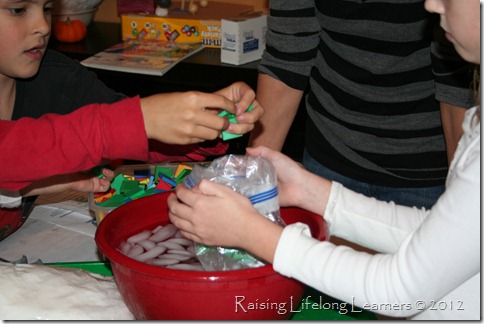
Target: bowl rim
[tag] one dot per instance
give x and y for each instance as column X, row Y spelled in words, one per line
column 115, row 256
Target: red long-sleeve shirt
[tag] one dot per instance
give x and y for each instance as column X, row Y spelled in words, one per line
column 57, row 144
column 53, row 144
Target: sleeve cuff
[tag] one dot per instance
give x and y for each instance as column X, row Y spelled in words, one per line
column 329, row 213
column 10, row 201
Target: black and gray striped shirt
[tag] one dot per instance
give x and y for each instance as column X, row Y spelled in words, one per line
column 375, row 70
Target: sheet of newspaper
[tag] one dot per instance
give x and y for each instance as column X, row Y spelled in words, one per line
column 59, row 229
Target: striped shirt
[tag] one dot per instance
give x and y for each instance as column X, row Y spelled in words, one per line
column 374, row 72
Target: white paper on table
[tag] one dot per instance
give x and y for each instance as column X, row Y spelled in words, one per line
column 60, row 228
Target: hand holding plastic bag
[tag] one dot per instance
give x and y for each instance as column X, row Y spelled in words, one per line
column 253, row 177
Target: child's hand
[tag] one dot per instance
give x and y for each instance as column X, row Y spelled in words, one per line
column 191, row 117
column 243, row 96
column 86, row 183
column 214, row 214
column 185, row 117
column 297, row 186
column 82, row 182
column 211, row 213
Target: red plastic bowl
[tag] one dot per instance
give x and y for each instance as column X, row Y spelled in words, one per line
column 157, row 293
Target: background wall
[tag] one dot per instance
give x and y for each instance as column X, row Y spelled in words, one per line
column 107, row 12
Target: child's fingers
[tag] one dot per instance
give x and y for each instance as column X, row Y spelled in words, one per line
column 209, row 128
column 210, row 188
column 216, row 101
column 108, row 174
column 239, row 128
column 241, row 94
column 104, row 185
column 252, row 114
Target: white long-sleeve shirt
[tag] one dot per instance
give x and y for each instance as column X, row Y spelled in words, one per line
column 429, row 265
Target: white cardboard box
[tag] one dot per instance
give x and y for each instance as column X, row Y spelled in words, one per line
column 243, row 38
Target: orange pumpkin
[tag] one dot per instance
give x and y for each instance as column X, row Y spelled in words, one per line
column 70, row 31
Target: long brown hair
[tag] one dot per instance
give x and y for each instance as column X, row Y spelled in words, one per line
column 476, row 84
column 476, row 87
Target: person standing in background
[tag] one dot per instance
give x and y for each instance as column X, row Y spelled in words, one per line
column 384, row 94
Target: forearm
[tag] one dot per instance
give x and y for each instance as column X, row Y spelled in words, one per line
column 452, row 118
column 262, row 237
column 313, row 193
column 49, row 185
column 280, row 103
column 53, row 144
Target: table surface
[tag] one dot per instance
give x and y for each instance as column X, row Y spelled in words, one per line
column 102, row 35
column 202, row 70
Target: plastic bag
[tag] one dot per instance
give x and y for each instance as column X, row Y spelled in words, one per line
column 253, row 177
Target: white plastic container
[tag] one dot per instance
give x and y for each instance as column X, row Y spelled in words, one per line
column 243, row 38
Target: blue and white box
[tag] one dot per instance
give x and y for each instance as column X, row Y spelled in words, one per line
column 243, row 38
